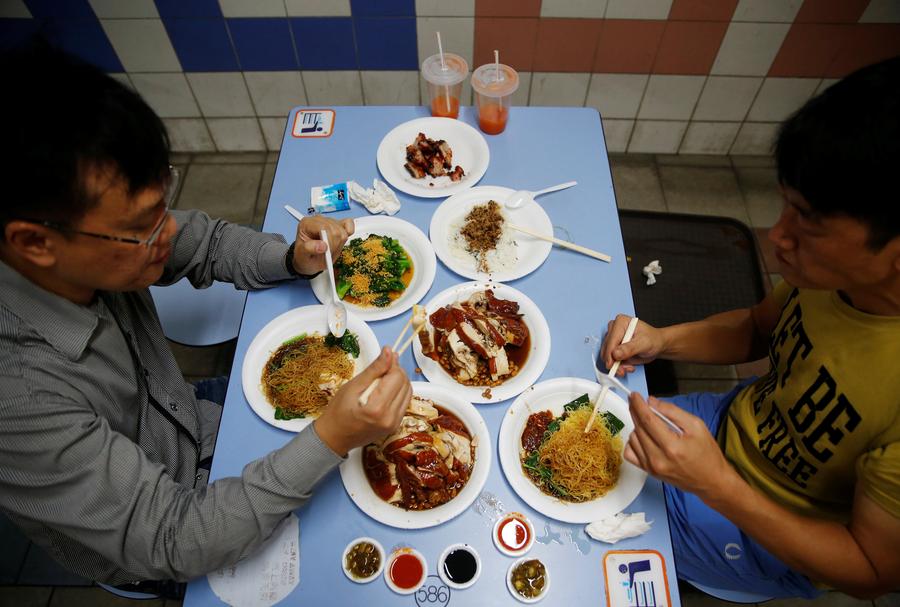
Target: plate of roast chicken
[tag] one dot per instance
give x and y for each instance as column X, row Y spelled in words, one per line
column 486, row 341
column 427, row 471
column 433, row 157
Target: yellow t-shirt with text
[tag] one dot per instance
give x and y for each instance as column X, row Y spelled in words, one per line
column 828, row 412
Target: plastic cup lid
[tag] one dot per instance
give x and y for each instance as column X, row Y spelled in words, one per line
column 486, row 82
column 456, row 72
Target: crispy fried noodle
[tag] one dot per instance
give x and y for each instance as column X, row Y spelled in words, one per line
column 303, row 374
column 586, row 465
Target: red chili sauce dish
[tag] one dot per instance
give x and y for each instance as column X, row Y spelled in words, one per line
column 513, row 534
column 406, row 571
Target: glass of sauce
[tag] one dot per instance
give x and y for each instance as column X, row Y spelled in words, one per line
column 405, row 571
column 513, row 534
column 459, row 566
column 363, row 560
column 528, row 580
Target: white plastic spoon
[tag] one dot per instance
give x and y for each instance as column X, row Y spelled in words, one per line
column 520, row 197
column 335, row 310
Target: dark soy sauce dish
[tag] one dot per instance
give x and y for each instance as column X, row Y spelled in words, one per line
column 459, row 566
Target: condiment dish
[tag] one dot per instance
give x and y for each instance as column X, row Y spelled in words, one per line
column 381, row 560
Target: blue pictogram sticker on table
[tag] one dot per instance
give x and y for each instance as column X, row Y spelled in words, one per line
column 636, row 578
column 313, row 123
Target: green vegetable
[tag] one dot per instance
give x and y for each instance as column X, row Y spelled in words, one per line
column 347, row 342
column 342, row 287
column 285, row 415
column 612, row 422
column 385, row 274
column 578, row 403
column 294, row 340
column 542, row 474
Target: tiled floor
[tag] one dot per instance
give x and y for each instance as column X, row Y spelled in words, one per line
column 237, row 186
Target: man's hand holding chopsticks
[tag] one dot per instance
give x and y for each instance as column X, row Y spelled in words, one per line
column 692, row 462
column 345, row 425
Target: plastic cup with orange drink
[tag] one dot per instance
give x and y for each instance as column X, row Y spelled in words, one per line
column 494, row 84
column 445, row 79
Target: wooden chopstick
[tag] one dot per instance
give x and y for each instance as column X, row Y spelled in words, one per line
column 629, row 333
column 409, row 341
column 564, row 243
column 364, row 397
column 402, row 333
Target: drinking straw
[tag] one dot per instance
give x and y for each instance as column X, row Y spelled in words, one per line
column 497, row 64
column 444, row 68
column 441, row 52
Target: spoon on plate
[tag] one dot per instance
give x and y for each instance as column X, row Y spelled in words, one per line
column 335, row 310
column 520, row 197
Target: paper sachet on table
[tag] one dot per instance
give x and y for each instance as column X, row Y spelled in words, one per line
column 651, row 271
column 377, row 199
column 618, row 527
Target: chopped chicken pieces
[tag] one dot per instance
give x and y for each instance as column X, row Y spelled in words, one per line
column 426, row 156
column 425, row 463
column 474, row 340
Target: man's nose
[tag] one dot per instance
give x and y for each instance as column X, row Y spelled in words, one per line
column 780, row 233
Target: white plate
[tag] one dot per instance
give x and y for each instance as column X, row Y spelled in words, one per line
column 470, row 151
column 420, row 251
column 534, row 364
column 360, row 491
column 551, row 395
column 530, row 251
column 308, row 319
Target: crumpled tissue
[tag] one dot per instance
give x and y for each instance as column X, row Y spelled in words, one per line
column 618, row 527
column 377, row 199
column 651, row 271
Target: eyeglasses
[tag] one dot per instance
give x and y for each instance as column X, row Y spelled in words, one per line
column 168, row 198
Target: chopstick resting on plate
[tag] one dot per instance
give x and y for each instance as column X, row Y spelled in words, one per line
column 417, row 321
column 629, row 333
column 564, row 243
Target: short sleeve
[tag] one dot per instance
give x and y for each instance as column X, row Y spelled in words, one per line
column 879, row 472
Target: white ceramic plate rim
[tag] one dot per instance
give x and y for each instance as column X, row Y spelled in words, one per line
column 357, row 485
column 534, row 364
column 470, row 151
column 533, row 252
column 416, row 244
column 559, row 391
column 308, row 319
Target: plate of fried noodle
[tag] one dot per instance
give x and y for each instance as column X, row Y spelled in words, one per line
column 557, row 468
column 294, row 365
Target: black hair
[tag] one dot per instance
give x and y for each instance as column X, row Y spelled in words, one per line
column 61, row 118
column 841, row 150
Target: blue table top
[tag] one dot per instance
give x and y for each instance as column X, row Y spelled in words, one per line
column 577, row 294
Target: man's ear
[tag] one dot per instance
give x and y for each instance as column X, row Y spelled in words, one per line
column 32, row 242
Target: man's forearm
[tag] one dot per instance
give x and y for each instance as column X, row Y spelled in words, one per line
column 823, row 550
column 727, row 338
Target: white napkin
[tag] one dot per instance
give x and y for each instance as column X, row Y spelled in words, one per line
column 268, row 575
column 377, row 199
column 618, row 527
column 651, row 271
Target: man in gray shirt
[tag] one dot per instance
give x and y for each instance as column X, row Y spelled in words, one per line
column 100, row 436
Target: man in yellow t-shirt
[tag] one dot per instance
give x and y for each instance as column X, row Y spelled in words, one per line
column 791, row 482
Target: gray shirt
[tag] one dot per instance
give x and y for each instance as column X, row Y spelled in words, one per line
column 100, row 436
